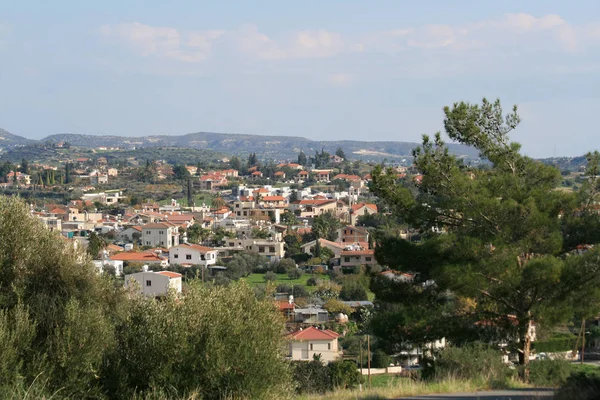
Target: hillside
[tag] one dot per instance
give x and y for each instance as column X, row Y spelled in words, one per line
column 266, row 147
column 8, row 140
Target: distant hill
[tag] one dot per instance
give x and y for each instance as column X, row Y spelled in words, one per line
column 8, row 140
column 266, row 147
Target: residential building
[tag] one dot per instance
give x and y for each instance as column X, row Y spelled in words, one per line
column 193, row 254
column 161, row 234
column 306, row 344
column 335, row 247
column 270, row 248
column 361, row 209
column 312, row 208
column 322, row 175
column 155, row 283
column 353, row 234
column 356, row 257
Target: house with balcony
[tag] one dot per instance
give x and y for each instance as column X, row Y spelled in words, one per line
column 160, row 234
column 193, row 254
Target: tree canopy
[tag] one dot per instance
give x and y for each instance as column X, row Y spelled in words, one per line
column 493, row 233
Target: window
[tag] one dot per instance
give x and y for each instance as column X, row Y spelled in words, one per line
column 346, row 259
column 161, row 232
column 272, row 249
column 176, row 256
column 188, row 256
column 328, row 346
column 261, row 249
column 148, row 233
column 148, row 283
column 231, row 244
column 148, row 243
column 311, row 346
column 367, row 258
column 202, row 257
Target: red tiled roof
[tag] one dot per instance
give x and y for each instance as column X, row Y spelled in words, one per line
column 356, row 207
column 273, row 198
column 312, row 333
column 136, row 256
column 367, row 252
column 170, row 274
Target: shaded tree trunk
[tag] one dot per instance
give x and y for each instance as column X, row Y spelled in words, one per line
column 525, row 347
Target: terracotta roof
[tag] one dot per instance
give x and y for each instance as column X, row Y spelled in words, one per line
column 180, row 217
column 136, row 256
column 314, row 202
column 303, row 173
column 312, row 333
column 371, row 206
column 285, row 305
column 367, row 252
column 170, row 274
column 257, row 173
column 262, row 190
column 279, row 173
column 273, row 198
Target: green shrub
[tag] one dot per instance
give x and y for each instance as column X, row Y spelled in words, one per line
column 472, row 362
column 294, row 273
column 313, row 281
column 311, row 377
column 554, row 345
column 549, row 372
column 380, row 359
column 580, row 386
column 344, row 374
column 270, row 276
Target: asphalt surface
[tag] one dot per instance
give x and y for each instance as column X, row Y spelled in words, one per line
column 517, row 394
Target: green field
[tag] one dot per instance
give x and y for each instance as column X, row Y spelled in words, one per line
column 259, row 279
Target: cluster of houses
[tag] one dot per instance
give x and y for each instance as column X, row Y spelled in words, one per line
column 155, row 236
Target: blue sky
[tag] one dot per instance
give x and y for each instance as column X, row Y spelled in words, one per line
column 376, row 70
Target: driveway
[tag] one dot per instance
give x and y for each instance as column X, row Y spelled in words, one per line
column 517, row 394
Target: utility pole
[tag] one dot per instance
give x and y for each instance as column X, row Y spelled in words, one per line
column 369, row 359
column 582, row 338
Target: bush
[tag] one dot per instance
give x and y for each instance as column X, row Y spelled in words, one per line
column 313, row 281
column 580, row 386
column 311, row 377
column 344, row 374
column 380, row 359
column 472, row 362
column 284, row 265
column 294, row 274
column 551, row 373
column 314, row 377
column 553, row 345
column 296, row 290
column 353, row 291
column 270, row 276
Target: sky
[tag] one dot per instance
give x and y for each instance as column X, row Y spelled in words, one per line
column 321, row 69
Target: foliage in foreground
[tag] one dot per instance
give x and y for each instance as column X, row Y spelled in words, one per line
column 67, row 332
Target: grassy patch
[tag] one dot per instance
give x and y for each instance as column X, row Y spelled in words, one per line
column 259, row 279
column 394, row 387
column 585, row 368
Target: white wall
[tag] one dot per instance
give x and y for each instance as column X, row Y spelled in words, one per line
column 149, row 283
column 302, row 350
column 188, row 255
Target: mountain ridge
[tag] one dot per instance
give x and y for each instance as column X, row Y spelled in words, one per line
column 240, row 144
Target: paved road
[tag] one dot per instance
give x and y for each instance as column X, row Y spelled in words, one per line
column 518, row 394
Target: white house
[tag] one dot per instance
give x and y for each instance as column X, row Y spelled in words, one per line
column 310, row 342
column 102, row 265
column 193, row 254
column 161, row 234
column 154, row 283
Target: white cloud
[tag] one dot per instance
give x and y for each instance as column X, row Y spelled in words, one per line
column 511, row 32
column 164, row 42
